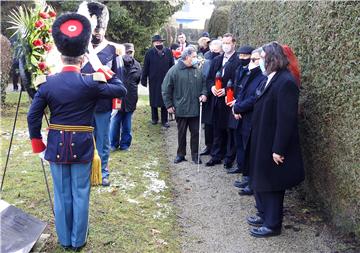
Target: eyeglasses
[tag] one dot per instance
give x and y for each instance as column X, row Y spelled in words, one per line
column 254, row 59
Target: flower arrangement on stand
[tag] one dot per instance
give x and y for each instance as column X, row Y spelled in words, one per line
column 32, row 26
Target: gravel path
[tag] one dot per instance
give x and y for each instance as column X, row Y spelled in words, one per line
column 212, row 215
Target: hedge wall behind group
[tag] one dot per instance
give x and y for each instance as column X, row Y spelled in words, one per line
column 325, row 36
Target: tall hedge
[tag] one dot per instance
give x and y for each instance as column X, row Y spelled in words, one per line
column 6, row 62
column 218, row 23
column 326, row 38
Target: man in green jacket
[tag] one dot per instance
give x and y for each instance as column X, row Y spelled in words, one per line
column 183, row 88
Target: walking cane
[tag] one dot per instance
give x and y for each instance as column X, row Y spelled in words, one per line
column 198, row 167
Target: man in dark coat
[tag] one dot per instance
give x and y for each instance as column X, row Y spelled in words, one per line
column 243, row 107
column 158, row 60
column 215, row 50
column 241, row 75
column 225, row 65
column 275, row 155
column 121, row 119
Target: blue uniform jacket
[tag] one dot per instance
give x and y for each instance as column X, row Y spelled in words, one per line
column 245, row 101
column 107, row 57
column 71, row 98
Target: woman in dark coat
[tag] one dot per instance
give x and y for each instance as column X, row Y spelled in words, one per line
column 275, row 156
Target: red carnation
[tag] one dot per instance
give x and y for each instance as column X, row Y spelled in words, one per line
column 50, row 30
column 52, row 14
column 42, row 66
column 38, row 43
column 39, row 24
column 47, row 47
column 44, row 15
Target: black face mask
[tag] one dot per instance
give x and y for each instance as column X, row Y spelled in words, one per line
column 159, row 47
column 244, row 62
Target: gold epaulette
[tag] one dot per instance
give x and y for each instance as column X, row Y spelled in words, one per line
column 39, row 80
column 119, row 48
column 99, row 77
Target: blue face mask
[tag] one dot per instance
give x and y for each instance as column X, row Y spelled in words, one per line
column 262, row 66
column 194, row 61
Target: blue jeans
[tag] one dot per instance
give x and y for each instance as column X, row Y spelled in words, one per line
column 122, row 120
column 101, row 132
column 71, row 202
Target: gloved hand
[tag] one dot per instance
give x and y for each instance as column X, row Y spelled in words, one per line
column 42, row 155
column 113, row 113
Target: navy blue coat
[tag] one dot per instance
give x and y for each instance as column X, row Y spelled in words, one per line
column 71, row 98
column 239, row 75
column 107, row 57
column 218, row 110
column 245, row 101
column 206, row 116
column 156, row 65
column 275, row 130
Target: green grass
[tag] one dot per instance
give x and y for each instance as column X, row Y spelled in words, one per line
column 127, row 216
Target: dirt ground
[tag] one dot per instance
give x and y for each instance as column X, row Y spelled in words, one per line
column 212, row 215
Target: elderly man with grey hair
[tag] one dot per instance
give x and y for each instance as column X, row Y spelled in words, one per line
column 183, row 88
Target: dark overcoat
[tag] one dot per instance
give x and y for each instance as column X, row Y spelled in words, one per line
column 275, row 130
column 245, row 102
column 132, row 75
column 206, row 115
column 219, row 111
column 156, row 65
column 240, row 75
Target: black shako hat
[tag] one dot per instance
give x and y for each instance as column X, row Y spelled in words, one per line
column 156, row 37
column 101, row 12
column 71, row 33
column 245, row 50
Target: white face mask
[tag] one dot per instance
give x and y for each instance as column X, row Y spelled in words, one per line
column 226, row 48
column 252, row 65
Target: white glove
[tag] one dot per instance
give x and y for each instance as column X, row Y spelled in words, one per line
column 114, row 112
column 42, row 155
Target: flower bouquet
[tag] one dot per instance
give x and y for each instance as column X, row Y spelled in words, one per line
column 32, row 27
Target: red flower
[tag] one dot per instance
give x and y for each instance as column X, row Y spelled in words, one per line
column 50, row 30
column 38, row 43
column 47, row 47
column 44, row 15
column 42, row 66
column 52, row 14
column 39, row 24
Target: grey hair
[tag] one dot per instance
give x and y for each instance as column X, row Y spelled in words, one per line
column 72, row 60
column 258, row 50
column 187, row 52
column 215, row 43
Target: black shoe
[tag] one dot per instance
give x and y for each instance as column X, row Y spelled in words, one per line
column 206, row 151
column 212, row 163
column 179, row 159
column 241, row 184
column 233, row 171
column 78, row 249
column 246, row 191
column 227, row 166
column 263, row 232
column 66, row 248
column 154, row 122
column 195, row 160
column 166, row 124
column 255, row 221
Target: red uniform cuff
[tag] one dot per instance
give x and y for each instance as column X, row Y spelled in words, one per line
column 37, row 145
column 107, row 72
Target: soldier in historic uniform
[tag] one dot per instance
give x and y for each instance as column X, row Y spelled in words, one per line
column 71, row 98
column 108, row 54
